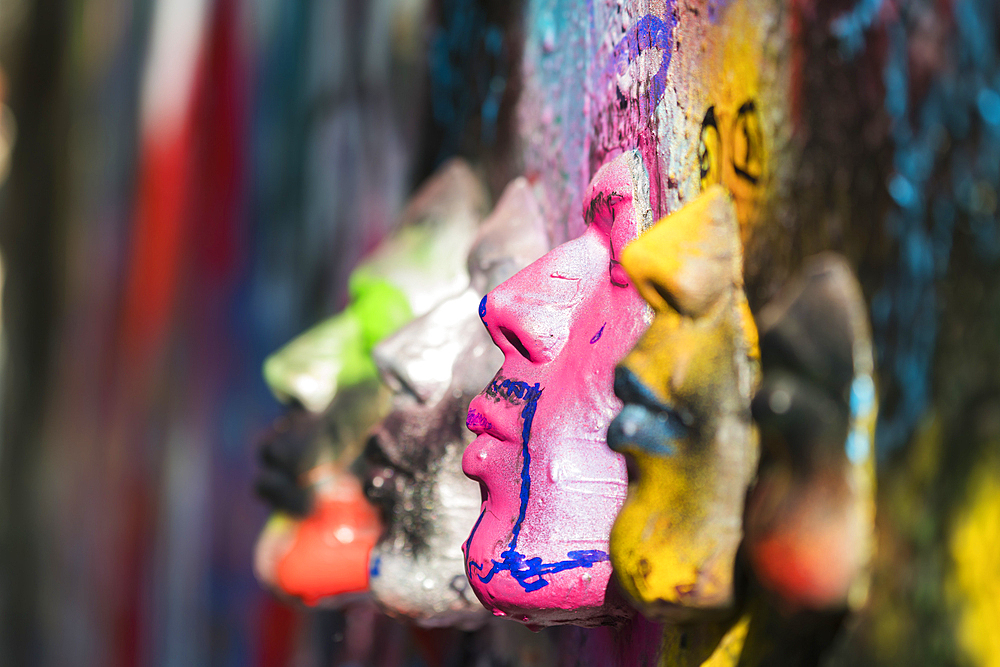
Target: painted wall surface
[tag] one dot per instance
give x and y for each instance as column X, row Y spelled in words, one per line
column 146, row 281
column 604, row 77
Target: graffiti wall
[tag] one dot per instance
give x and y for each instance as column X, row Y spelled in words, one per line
column 475, row 332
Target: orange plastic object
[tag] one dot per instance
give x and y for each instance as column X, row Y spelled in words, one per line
column 329, row 553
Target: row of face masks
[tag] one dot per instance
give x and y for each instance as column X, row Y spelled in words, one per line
column 692, row 422
column 566, row 435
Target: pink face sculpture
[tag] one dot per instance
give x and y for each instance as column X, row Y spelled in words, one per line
column 551, row 487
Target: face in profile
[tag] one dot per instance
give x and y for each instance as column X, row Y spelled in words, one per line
column 316, row 545
column 412, row 464
column 685, row 428
column 322, row 551
column 550, row 486
column 810, row 516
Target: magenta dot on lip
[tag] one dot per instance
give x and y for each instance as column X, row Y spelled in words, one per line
column 476, row 420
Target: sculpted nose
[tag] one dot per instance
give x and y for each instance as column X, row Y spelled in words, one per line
column 395, row 374
column 394, row 358
column 418, row 360
column 688, row 262
column 529, row 315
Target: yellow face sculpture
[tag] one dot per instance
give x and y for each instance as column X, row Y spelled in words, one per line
column 686, row 429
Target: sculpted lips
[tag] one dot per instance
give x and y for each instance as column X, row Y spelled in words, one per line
column 497, row 410
column 644, row 422
column 480, row 422
column 497, row 416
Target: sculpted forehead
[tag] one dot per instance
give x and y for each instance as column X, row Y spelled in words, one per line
column 616, row 203
column 419, row 358
column 426, row 257
column 512, row 237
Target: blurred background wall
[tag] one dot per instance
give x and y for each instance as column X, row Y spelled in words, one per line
column 191, row 182
column 187, row 184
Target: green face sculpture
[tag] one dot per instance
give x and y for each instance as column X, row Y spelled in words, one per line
column 408, row 274
column 337, row 352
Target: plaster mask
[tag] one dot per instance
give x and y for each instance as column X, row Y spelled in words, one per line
column 686, row 429
column 810, row 517
column 324, row 553
column 412, row 465
column 550, row 486
column 329, row 373
column 410, row 272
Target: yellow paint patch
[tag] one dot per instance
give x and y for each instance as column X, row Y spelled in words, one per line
column 704, row 645
column 974, row 583
column 734, row 147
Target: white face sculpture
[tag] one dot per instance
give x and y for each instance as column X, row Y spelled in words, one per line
column 412, row 465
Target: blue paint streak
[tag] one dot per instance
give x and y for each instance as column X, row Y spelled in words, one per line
column 649, row 32
column 374, row 571
column 953, row 130
column 520, row 567
column 597, row 336
column 482, row 310
column 851, row 26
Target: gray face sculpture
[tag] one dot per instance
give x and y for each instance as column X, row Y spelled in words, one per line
column 412, row 466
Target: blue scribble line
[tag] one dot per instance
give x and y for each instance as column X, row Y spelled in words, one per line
column 520, row 567
column 482, row 310
column 649, row 32
column 597, row 336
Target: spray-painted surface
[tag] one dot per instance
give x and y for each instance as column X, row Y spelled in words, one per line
column 694, row 94
column 538, row 552
column 642, row 74
column 412, row 464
